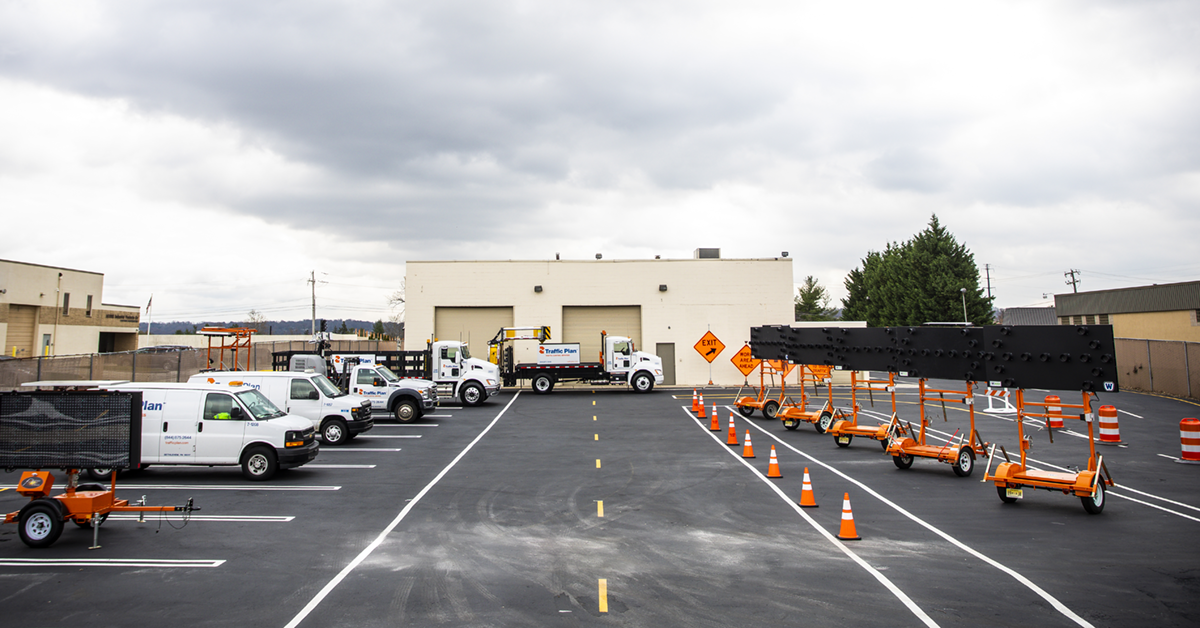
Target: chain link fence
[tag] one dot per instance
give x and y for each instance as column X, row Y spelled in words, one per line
column 1161, row 366
column 156, row 366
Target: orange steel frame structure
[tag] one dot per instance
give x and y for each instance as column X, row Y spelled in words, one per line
column 85, row 508
column 961, row 453
column 241, row 341
column 747, row 405
column 792, row 414
column 1011, row 478
column 844, row 428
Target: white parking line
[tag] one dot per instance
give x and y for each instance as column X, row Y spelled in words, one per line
column 327, row 449
column 406, row 425
column 220, row 487
column 1168, row 457
column 1059, row 606
column 1130, row 414
column 888, row 584
column 121, row 516
column 338, row 466
column 328, row 588
column 438, row 416
column 390, row 436
column 109, row 562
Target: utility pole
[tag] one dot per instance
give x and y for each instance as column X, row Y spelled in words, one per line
column 1073, row 281
column 312, row 279
column 988, row 269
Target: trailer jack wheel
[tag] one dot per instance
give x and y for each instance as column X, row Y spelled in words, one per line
column 1094, row 504
column 964, row 464
column 902, row 461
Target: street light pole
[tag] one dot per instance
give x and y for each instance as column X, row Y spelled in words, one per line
column 964, row 300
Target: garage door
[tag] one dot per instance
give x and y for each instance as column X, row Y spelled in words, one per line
column 583, row 324
column 21, row 320
column 472, row 325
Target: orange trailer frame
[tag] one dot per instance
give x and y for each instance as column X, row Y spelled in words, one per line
column 960, row 454
column 42, row 519
column 793, row 414
column 844, row 428
column 1089, row 485
column 241, row 340
column 747, row 405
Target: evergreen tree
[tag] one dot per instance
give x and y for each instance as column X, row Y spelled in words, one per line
column 343, row 329
column 916, row 282
column 812, row 302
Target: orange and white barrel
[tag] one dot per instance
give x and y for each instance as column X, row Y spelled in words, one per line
column 1055, row 411
column 1189, row 438
column 1110, row 431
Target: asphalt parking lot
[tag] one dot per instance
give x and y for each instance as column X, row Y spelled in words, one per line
column 607, row 507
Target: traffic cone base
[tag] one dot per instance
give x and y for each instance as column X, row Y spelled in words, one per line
column 807, row 500
column 773, row 466
column 748, row 448
column 847, row 531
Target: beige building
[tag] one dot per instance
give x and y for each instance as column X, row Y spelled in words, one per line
column 45, row 310
column 665, row 305
column 1159, row 312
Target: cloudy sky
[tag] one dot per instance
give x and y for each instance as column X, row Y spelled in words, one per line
column 213, row 154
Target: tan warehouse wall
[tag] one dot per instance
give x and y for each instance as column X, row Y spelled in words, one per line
column 1178, row 325
column 726, row 296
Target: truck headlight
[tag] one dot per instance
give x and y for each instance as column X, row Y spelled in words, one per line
column 491, row 382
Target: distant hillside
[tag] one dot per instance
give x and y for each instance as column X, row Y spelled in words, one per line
column 267, row 327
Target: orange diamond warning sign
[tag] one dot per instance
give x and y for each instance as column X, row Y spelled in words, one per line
column 744, row 361
column 709, row 347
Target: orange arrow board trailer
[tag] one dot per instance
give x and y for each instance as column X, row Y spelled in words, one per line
column 747, row 405
column 709, row 347
column 792, row 413
column 960, row 452
column 844, row 429
column 1012, row 477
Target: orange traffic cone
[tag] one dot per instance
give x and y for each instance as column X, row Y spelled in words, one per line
column 732, row 440
column 701, row 409
column 807, row 500
column 848, row 533
column 715, row 426
column 695, row 408
column 748, row 448
column 773, row 466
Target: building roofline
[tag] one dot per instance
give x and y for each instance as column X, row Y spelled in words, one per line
column 74, row 270
column 600, row 261
column 1167, row 297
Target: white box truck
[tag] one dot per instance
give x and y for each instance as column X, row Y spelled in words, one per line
column 337, row 416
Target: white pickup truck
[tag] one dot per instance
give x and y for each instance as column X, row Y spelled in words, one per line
column 405, row 399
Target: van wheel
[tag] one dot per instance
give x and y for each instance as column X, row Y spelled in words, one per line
column 472, row 394
column 259, row 464
column 334, row 433
column 101, row 475
column 405, row 411
column 542, row 383
column 643, row 383
column 41, row 522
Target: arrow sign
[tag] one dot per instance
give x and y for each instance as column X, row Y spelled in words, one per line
column 782, row 367
column 744, row 361
column 709, row 347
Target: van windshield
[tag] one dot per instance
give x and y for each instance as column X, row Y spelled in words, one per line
column 259, row 406
column 387, row 374
column 326, row 386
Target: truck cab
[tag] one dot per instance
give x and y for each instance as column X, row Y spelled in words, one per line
column 473, row 380
column 406, row 399
column 640, row 369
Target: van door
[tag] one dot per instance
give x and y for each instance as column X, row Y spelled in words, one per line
column 177, row 430
column 304, row 400
column 220, row 430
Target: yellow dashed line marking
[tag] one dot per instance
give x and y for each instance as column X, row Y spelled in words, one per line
column 597, row 463
column 593, row 402
column 603, row 595
column 593, row 417
column 600, row 508
column 597, row 437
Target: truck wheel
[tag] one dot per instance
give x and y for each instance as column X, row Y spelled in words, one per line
column 101, row 475
column 334, row 432
column 964, row 464
column 543, row 383
column 1094, row 504
column 770, row 408
column 472, row 394
column 643, row 383
column 405, row 411
column 823, row 422
column 259, row 464
column 903, row 461
column 41, row 522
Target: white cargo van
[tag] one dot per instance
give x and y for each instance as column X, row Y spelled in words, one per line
column 214, row 425
column 337, row 416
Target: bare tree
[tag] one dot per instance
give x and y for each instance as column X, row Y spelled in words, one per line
column 255, row 320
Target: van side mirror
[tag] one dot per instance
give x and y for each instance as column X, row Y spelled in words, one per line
column 236, row 414
column 312, row 394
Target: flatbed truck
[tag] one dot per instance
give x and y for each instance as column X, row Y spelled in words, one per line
column 620, row 362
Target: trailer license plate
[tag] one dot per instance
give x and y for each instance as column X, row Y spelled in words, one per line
column 789, row 423
column 1014, row 493
column 843, row 439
